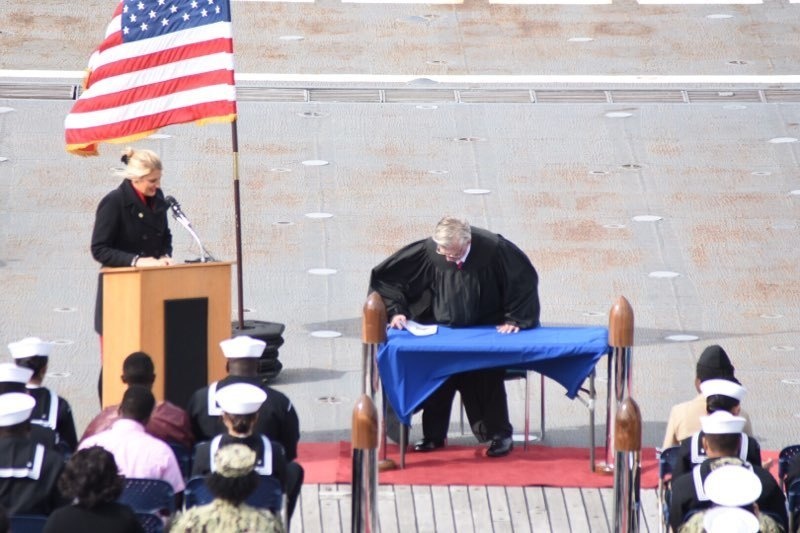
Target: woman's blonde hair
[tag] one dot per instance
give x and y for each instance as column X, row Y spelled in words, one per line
column 138, row 163
column 452, row 231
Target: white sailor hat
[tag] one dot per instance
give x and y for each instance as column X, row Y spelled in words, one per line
column 30, row 346
column 15, row 407
column 732, row 485
column 240, row 398
column 242, row 346
column 722, row 423
column 730, row 520
column 724, row 388
column 11, row 373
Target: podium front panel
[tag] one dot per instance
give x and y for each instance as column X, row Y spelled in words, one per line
column 136, row 318
column 185, row 348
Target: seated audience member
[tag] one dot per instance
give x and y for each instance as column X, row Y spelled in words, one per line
column 722, row 396
column 684, row 418
column 138, row 455
column 15, row 378
column 733, row 491
column 233, row 479
column 51, row 411
column 168, row 422
column 28, row 469
column 90, row 480
column 277, row 419
column 721, row 441
column 240, row 403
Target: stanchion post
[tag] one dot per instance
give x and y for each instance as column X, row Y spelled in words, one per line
column 620, row 339
column 627, row 468
column 373, row 333
column 364, row 515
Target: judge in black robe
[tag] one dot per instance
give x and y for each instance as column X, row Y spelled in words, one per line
column 462, row 276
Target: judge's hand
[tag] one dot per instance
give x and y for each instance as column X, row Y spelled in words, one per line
column 166, row 260
column 508, row 328
column 153, row 261
column 398, row 322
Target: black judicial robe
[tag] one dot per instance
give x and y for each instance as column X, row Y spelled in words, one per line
column 29, row 472
column 685, row 498
column 277, row 418
column 497, row 284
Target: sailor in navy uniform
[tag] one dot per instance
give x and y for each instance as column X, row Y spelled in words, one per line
column 721, row 440
column 15, row 378
column 28, row 469
column 240, row 403
column 722, row 395
column 52, row 411
column 277, row 418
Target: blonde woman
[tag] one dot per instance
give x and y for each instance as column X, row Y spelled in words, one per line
column 130, row 226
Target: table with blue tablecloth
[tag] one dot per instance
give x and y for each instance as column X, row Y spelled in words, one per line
column 411, row 367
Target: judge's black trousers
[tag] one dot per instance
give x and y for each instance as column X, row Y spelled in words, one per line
column 484, row 395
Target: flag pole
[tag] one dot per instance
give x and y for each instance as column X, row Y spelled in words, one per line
column 238, row 218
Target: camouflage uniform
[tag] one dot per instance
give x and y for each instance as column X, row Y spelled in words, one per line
column 221, row 515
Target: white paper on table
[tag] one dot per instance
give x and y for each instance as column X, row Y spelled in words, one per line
column 421, row 330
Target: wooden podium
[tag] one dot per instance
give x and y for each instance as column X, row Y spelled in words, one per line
column 177, row 315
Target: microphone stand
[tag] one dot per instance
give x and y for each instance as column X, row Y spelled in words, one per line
column 205, row 257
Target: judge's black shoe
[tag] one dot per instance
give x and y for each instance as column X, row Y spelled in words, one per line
column 428, row 445
column 500, row 446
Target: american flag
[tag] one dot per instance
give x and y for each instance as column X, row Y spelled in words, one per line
column 162, row 62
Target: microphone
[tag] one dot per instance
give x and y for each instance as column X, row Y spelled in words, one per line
column 177, row 212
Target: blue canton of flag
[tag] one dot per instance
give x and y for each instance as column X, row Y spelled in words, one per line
column 145, row 19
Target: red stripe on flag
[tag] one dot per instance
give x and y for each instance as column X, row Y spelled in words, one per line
column 130, row 127
column 115, row 39
column 161, row 58
column 151, row 79
column 155, row 90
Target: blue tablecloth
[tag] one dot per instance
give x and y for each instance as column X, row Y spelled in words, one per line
column 411, row 368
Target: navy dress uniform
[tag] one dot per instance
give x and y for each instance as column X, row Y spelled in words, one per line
column 52, row 411
column 691, row 451
column 243, row 399
column 29, row 470
column 732, row 490
column 688, row 491
column 15, row 378
column 277, row 418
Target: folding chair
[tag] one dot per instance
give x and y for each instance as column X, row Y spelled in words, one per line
column 148, row 496
column 150, row 522
column 785, row 458
column 521, row 373
column 28, row 523
column 666, row 464
column 184, row 457
column 793, row 503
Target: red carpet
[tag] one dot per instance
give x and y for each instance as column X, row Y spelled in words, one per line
column 331, row 462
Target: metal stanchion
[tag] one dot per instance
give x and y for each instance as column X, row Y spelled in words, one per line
column 373, row 333
column 364, row 515
column 620, row 338
column 627, row 468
